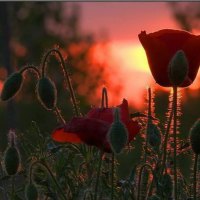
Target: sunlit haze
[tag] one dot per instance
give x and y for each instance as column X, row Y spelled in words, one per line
column 121, row 23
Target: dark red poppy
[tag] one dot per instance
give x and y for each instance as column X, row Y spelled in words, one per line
column 162, row 45
column 93, row 129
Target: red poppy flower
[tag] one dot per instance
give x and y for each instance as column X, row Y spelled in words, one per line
column 162, row 45
column 93, row 129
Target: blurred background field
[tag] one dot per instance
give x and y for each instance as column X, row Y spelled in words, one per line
column 100, row 44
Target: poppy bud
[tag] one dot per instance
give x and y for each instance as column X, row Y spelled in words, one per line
column 46, row 93
column 167, row 184
column 154, row 136
column 11, row 156
column 195, row 137
column 11, row 86
column 178, row 68
column 117, row 134
column 154, row 197
column 31, row 192
column 11, row 160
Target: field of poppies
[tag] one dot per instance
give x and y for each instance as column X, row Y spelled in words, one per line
column 80, row 158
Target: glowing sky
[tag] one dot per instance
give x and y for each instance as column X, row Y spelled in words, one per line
column 121, row 22
column 124, row 20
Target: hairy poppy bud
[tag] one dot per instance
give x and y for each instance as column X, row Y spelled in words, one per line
column 195, row 137
column 153, row 134
column 31, row 192
column 178, row 68
column 11, row 86
column 11, row 156
column 46, row 93
column 11, row 160
column 117, row 134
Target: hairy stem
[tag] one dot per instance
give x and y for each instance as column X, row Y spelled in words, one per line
column 112, row 176
column 166, row 140
column 98, row 175
column 140, row 177
column 149, row 121
column 175, row 140
column 58, row 114
column 195, row 177
column 31, row 67
column 13, row 186
column 66, row 75
column 44, row 165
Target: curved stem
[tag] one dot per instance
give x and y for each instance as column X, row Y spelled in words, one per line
column 37, row 71
column 49, row 171
column 58, row 114
column 104, row 99
column 31, row 67
column 140, row 176
column 149, row 193
column 112, row 176
column 195, row 177
column 98, row 175
column 149, row 121
column 175, row 140
column 66, row 74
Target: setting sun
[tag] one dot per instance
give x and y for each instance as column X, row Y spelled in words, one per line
column 131, row 54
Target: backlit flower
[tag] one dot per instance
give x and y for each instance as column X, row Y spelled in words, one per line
column 162, row 45
column 93, row 128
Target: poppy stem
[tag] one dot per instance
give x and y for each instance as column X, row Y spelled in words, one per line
column 13, row 186
column 166, row 140
column 140, row 177
column 104, row 99
column 98, row 175
column 44, row 165
column 31, row 67
column 66, row 75
column 195, row 176
column 37, row 71
column 58, row 114
column 112, row 176
column 175, row 140
column 149, row 121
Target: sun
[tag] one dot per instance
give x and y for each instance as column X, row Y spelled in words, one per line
column 132, row 54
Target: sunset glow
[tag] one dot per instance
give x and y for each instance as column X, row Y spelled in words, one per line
column 129, row 70
column 131, row 54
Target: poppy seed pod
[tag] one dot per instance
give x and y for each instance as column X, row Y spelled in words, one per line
column 195, row 137
column 46, row 93
column 31, row 192
column 178, row 68
column 11, row 86
column 11, row 160
column 117, row 134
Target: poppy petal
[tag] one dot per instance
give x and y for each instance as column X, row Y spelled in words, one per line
column 60, row 135
column 162, row 45
column 83, row 130
column 106, row 114
column 133, row 129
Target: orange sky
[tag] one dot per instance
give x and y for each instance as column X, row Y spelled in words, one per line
column 121, row 22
